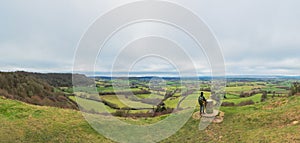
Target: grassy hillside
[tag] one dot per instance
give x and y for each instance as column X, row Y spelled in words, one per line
column 21, row 122
column 269, row 121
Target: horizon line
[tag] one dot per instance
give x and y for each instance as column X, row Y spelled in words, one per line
column 152, row 74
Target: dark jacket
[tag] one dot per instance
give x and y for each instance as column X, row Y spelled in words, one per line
column 201, row 99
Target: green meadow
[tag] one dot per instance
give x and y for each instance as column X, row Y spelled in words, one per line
column 275, row 119
column 269, row 121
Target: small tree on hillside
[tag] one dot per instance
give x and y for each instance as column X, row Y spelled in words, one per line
column 295, row 88
column 264, row 96
column 273, row 94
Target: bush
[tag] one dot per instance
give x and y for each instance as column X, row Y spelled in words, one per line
column 227, row 104
column 264, row 97
column 249, row 93
column 36, row 100
column 4, row 93
column 120, row 113
column 244, row 103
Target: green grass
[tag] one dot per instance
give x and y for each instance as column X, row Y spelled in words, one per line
column 172, row 102
column 105, row 89
column 255, row 98
column 134, row 104
column 252, row 123
column 263, row 122
column 151, row 96
column 239, row 88
column 21, row 122
column 272, row 88
column 123, row 102
column 90, row 90
column 114, row 99
column 232, row 96
column 90, row 105
column 112, row 89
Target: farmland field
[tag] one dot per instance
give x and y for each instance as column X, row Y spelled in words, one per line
column 258, row 110
column 268, row 121
column 144, row 96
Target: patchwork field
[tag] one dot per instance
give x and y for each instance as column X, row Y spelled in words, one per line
column 255, row 110
column 271, row 121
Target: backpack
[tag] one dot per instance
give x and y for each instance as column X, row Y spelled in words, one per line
column 200, row 100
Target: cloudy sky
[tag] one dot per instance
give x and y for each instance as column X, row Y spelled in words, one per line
column 256, row 36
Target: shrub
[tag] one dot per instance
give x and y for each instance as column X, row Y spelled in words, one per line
column 227, row 104
column 120, row 113
column 244, row 103
column 36, row 100
column 264, row 97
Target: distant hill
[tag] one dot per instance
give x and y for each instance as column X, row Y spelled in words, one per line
column 36, row 88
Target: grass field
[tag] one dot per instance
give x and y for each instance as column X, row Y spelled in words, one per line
column 237, row 90
column 21, row 122
column 90, row 105
column 151, row 96
column 269, row 121
column 123, row 102
column 255, row 98
column 264, row 122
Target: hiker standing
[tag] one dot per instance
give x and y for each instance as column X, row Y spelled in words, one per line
column 201, row 101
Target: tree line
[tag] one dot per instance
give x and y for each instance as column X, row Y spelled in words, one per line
column 27, row 88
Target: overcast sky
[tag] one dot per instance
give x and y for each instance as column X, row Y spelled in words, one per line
column 256, row 36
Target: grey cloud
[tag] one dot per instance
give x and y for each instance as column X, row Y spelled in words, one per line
column 259, row 37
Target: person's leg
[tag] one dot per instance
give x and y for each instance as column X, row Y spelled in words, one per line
column 201, row 109
column 204, row 108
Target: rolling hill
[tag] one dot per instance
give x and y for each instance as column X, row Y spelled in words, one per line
column 276, row 120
